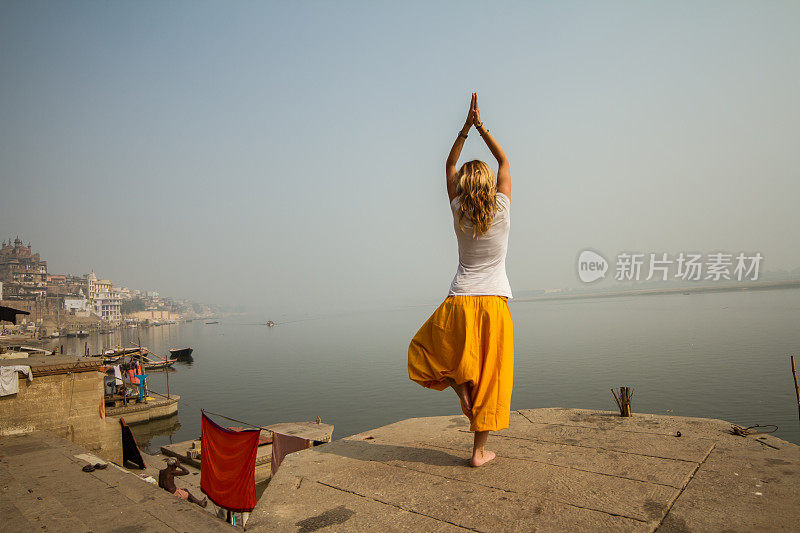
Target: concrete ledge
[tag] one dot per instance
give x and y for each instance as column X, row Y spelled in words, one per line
column 42, row 488
column 557, row 470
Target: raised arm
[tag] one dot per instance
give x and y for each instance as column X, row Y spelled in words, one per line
column 451, row 169
column 503, row 169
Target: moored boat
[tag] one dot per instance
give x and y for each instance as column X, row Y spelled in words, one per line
column 20, row 351
column 181, row 354
column 111, row 355
column 158, row 365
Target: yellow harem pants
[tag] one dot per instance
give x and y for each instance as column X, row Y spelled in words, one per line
column 469, row 339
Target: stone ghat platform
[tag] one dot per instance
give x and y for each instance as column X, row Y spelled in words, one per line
column 556, row 470
column 42, row 488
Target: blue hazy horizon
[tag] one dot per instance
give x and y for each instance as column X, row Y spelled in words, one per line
column 290, row 157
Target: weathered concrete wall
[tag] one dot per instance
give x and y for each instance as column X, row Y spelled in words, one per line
column 154, row 314
column 67, row 405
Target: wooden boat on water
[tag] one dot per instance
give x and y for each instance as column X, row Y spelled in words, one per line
column 82, row 333
column 159, row 365
column 181, row 354
column 213, row 322
column 111, row 354
column 111, row 357
column 117, row 355
column 21, row 351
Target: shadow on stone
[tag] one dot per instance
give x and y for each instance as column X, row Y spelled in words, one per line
column 374, row 451
column 331, row 517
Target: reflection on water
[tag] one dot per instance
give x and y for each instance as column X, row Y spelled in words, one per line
column 162, row 427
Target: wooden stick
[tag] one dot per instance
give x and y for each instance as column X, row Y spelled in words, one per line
column 623, row 400
column 796, row 389
column 619, row 405
column 625, row 396
column 166, row 375
column 148, row 350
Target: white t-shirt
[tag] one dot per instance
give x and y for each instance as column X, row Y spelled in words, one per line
column 482, row 261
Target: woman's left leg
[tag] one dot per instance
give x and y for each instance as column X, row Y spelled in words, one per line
column 492, row 392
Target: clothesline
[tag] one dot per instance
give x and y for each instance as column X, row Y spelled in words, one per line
column 234, row 420
column 282, row 445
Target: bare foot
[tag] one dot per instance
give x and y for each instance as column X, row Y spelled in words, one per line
column 481, row 458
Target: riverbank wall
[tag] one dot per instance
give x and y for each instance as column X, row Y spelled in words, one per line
column 65, row 398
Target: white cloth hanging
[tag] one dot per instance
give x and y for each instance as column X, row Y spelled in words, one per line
column 9, row 381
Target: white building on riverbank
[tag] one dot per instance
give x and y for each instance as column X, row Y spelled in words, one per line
column 107, row 305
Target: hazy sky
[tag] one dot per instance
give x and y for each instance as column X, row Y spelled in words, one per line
column 290, row 156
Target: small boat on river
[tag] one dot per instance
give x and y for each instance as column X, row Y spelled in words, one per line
column 159, row 365
column 181, row 354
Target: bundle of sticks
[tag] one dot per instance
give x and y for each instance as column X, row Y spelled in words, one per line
column 623, row 400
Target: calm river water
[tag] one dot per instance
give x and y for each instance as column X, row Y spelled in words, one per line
column 717, row 355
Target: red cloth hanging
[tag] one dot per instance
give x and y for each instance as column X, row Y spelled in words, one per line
column 228, row 466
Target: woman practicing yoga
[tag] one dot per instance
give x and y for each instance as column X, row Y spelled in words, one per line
column 468, row 342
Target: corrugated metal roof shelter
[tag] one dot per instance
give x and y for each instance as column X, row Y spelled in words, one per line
column 56, row 364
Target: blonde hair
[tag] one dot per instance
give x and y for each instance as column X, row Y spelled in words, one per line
column 476, row 189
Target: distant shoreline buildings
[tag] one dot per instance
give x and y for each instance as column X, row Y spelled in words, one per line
column 26, row 284
column 23, row 273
